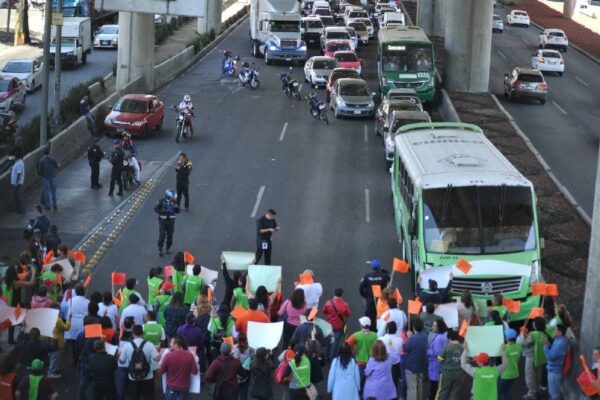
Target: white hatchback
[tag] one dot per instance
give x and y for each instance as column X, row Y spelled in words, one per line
column 546, row 60
column 518, row 17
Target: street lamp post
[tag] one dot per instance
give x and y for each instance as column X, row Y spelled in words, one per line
column 45, row 73
column 57, row 66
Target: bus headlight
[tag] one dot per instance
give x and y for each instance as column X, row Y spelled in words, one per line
column 432, row 81
column 535, row 272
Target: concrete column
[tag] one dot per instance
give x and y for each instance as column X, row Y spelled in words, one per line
column 136, row 49
column 431, row 16
column 468, row 45
column 213, row 16
column 203, row 21
column 569, row 8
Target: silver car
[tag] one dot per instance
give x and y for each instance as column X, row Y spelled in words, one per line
column 397, row 119
column 352, row 98
column 317, row 70
column 107, row 37
column 405, row 94
column 497, row 24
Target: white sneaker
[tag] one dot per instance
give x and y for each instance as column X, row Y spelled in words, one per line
column 54, row 376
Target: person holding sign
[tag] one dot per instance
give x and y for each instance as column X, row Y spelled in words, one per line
column 394, row 314
column 485, row 376
column 433, row 294
column 178, row 364
column 265, row 226
column 192, row 285
column 533, row 349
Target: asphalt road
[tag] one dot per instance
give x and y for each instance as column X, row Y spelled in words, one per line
column 565, row 129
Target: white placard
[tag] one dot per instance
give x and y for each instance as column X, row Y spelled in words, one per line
column 66, row 266
column 194, row 383
column 238, row 260
column 42, row 318
column 264, row 275
column 485, row 339
column 15, row 321
column 208, row 275
column 449, row 312
column 439, row 274
column 265, row 335
column 110, row 349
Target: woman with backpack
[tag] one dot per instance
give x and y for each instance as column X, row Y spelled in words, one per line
column 290, row 312
column 221, row 326
column 175, row 314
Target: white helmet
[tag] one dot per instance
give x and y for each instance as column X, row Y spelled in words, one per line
column 187, row 98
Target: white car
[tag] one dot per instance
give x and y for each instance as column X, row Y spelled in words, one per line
column 107, row 37
column 336, row 33
column 29, row 71
column 317, row 70
column 369, row 24
column 555, row 39
column 355, row 14
column 497, row 24
column 518, row 17
column 546, row 60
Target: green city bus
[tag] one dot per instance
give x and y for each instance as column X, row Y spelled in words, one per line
column 405, row 59
column 457, row 197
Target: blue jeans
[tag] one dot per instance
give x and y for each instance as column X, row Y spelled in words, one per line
column 504, row 386
column 334, row 347
column 171, row 394
column 122, row 380
column 91, row 123
column 48, row 192
column 554, row 381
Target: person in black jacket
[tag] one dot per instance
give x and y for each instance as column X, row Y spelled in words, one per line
column 116, row 159
column 102, row 372
column 183, row 169
column 95, row 155
column 376, row 277
column 265, row 226
column 433, row 294
column 166, row 208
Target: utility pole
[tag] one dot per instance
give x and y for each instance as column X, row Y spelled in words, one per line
column 46, row 73
column 8, row 17
column 57, row 65
column 590, row 323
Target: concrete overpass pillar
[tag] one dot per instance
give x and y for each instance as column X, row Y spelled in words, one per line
column 569, row 8
column 431, row 16
column 136, row 49
column 213, row 16
column 468, row 43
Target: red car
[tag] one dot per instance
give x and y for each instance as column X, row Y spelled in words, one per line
column 12, row 92
column 331, row 46
column 348, row 59
column 136, row 113
column 336, row 74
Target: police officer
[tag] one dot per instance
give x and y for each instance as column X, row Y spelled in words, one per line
column 265, row 226
column 116, row 159
column 166, row 208
column 183, row 169
column 95, row 155
column 377, row 276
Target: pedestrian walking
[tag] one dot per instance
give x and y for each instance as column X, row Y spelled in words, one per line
column 166, row 208
column 85, row 106
column 533, row 350
column 183, row 169
column 102, row 372
column 312, row 289
column 47, row 169
column 35, row 385
column 343, row 382
column 555, row 353
column 116, row 159
column 451, row 374
column 95, row 156
column 139, row 355
column 262, row 368
column 178, row 365
column 361, row 342
column 265, row 226
column 290, row 312
column 336, row 311
column 175, row 313
column 40, row 221
column 17, row 180
column 224, row 372
column 377, row 277
column 437, row 342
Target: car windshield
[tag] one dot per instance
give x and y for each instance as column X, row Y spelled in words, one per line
column 338, row 35
column 332, row 47
column 407, row 58
column 354, row 89
column 284, row 26
column 347, row 73
column 109, row 30
column 346, row 57
column 130, row 106
column 17, row 67
column 4, row 85
column 478, row 220
column 556, row 34
column 530, row 78
column 357, row 14
column 324, row 64
column 550, row 54
column 314, row 24
column 327, row 21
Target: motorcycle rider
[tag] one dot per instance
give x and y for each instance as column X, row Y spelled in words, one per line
column 226, row 56
column 314, row 102
column 129, row 146
column 245, row 72
column 186, row 107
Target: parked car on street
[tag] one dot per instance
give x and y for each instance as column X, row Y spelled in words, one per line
column 136, row 113
column 525, row 82
column 369, row 24
column 335, row 33
column 12, row 93
column 29, row 71
column 361, row 30
column 518, row 17
column 317, row 70
column 107, row 37
column 497, row 24
column 548, row 61
column 554, row 39
column 337, row 74
column 352, row 98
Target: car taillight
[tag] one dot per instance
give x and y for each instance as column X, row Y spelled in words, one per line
column 542, row 86
column 562, row 61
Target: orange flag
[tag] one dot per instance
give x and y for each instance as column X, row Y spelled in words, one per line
column 188, row 258
column 228, row 339
column 79, row 255
column 513, row 306
column 118, row 278
column 209, row 294
column 464, row 266
column 48, row 257
column 313, row 314
column 400, row 266
column 117, row 301
column 306, row 278
column 87, row 281
column 415, row 307
column 536, row 312
column 376, row 291
column 538, row 289
column 551, row 289
column 18, row 311
column 237, row 312
column 397, row 296
column 463, row 328
column 93, row 331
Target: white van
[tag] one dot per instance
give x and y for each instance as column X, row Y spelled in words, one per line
column 320, row 4
column 393, row 18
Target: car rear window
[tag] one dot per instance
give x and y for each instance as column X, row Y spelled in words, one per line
column 530, row 78
column 556, row 34
column 314, row 24
column 497, row 18
column 338, row 35
column 354, row 89
column 344, row 74
column 404, row 106
column 338, row 47
column 356, row 14
column 327, row 21
column 359, row 26
column 346, row 57
column 130, row 106
column 322, row 11
column 324, row 64
column 521, row 14
column 550, row 54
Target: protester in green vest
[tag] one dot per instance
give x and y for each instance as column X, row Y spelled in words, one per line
column 162, row 300
column 532, row 341
column 299, row 369
column 485, row 376
column 52, row 281
column 153, row 331
column 240, row 297
column 154, row 280
column 219, row 327
column 127, row 291
column 35, row 384
column 192, row 285
column 179, row 266
column 511, row 373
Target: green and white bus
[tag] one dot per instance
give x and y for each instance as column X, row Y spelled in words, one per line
column 405, row 59
column 456, row 196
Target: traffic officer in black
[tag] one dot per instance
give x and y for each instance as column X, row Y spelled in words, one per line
column 95, row 155
column 265, row 226
column 166, row 208
column 377, row 276
column 183, row 169
column 116, row 159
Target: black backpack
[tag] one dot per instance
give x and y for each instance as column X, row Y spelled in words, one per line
column 139, row 365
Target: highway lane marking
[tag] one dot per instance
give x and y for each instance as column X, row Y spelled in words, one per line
column 584, row 83
column 367, row 208
column 283, row 131
column 560, row 108
column 300, row 87
column 525, row 41
column 501, row 54
column 258, row 199
column 366, row 134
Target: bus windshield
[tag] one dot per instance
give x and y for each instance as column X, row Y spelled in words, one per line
column 478, row 220
column 407, row 58
column 284, row 26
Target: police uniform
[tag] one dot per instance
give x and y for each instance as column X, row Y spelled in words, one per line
column 95, row 155
column 183, row 170
column 116, row 159
column 375, row 277
column 166, row 208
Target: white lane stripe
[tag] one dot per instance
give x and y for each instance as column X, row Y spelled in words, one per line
column 366, row 134
column 367, row 208
column 283, row 131
column 258, row 199
column 501, row 54
column 559, row 107
column 525, row 41
column 300, row 87
column 584, row 83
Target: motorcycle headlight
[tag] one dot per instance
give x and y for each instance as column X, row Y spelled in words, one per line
column 138, row 123
column 535, row 272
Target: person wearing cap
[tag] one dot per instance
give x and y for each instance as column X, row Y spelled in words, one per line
column 511, row 373
column 361, row 343
column 178, row 365
column 485, row 376
column 102, row 371
column 265, row 226
column 378, row 277
column 433, row 294
column 225, row 371
column 116, row 160
column 35, row 385
column 135, row 309
column 167, row 210
column 95, row 156
column 312, row 291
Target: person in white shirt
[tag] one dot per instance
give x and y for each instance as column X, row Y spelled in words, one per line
column 108, row 309
column 312, row 291
column 17, row 179
column 142, row 388
column 393, row 314
column 392, row 341
column 78, row 309
column 135, row 310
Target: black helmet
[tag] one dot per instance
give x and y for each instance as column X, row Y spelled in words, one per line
column 245, row 64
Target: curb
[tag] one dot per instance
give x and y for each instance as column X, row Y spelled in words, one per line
column 565, row 192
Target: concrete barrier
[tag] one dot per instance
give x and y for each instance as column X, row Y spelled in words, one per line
column 166, row 70
column 446, row 107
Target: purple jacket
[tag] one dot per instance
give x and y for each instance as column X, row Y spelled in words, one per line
column 435, row 348
column 379, row 383
column 192, row 334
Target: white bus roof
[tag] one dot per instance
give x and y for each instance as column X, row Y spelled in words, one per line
column 436, row 155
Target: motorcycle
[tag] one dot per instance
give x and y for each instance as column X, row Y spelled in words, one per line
column 318, row 110
column 290, row 86
column 230, row 64
column 249, row 76
column 182, row 127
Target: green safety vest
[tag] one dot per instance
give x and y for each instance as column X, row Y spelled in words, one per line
column 485, row 383
column 125, row 298
column 177, row 278
column 364, row 342
column 539, row 358
column 7, row 291
column 162, row 300
column 241, row 299
column 53, row 290
column 193, row 284
column 216, row 326
column 301, row 372
column 153, row 286
column 513, row 354
column 153, row 333
column 501, row 310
